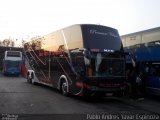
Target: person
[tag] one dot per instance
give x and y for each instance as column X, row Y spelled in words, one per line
column 135, row 76
column 137, row 84
column 128, row 91
column 133, row 84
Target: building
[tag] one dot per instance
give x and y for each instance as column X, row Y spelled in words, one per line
column 145, row 38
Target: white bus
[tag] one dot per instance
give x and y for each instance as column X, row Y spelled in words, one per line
column 12, row 62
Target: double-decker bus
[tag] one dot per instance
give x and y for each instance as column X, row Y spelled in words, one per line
column 84, row 60
column 12, row 62
column 145, row 45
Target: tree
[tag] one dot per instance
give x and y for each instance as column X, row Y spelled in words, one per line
column 23, row 42
column 0, row 43
column 8, row 43
column 12, row 43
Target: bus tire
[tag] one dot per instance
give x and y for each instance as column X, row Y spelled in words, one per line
column 64, row 88
column 29, row 80
column 32, row 79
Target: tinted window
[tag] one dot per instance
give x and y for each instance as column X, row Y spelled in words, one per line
column 101, row 38
column 13, row 54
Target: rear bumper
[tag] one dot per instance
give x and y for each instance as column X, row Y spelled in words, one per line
column 12, row 72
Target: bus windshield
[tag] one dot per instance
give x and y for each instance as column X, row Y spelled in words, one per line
column 106, row 65
column 13, row 55
column 101, row 39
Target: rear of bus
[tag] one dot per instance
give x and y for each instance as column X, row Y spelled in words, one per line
column 12, row 63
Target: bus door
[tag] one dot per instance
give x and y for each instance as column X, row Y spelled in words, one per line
column 79, row 70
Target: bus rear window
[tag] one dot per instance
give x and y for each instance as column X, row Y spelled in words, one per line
column 13, row 54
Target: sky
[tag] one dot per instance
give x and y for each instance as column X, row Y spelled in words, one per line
column 23, row 19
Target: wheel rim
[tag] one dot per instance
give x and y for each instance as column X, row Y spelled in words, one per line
column 29, row 80
column 64, row 88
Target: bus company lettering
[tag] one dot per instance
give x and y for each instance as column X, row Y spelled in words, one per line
column 108, row 50
column 50, row 53
column 93, row 31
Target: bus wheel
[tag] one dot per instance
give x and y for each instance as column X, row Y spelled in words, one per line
column 64, row 88
column 29, row 80
column 32, row 79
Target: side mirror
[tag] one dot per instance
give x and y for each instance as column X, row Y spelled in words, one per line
column 87, row 57
column 86, row 61
column 131, row 58
column 133, row 62
column 87, row 54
